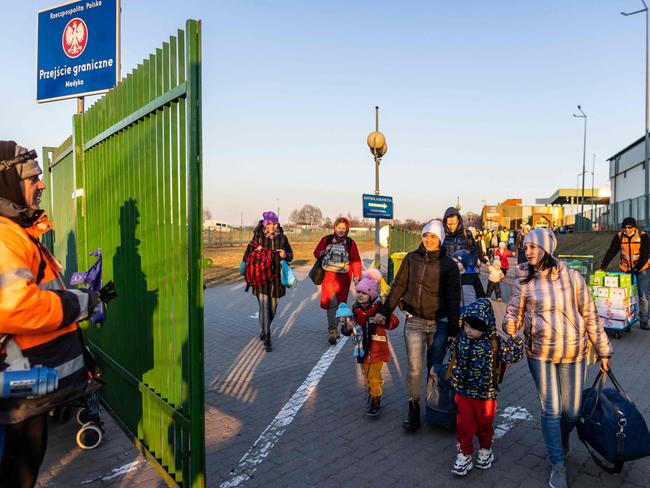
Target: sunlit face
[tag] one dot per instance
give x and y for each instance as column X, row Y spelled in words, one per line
column 271, row 227
column 362, row 298
column 629, row 230
column 471, row 333
column 534, row 254
column 431, row 242
column 452, row 223
column 32, row 191
column 341, row 229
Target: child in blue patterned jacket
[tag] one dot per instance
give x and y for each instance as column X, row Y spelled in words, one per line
column 477, row 366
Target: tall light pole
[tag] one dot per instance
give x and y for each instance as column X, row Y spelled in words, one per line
column 377, row 144
column 593, row 201
column 647, row 108
column 584, row 155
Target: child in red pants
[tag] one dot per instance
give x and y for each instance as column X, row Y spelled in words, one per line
column 477, row 358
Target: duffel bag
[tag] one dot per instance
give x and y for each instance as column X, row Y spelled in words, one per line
column 611, row 425
column 440, row 406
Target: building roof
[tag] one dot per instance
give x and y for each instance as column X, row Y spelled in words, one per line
column 564, row 196
column 638, row 141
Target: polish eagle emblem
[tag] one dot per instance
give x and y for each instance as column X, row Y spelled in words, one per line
column 75, row 37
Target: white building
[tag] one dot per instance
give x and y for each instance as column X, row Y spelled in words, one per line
column 627, row 182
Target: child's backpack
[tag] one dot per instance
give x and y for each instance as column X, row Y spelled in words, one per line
column 258, row 269
column 337, row 259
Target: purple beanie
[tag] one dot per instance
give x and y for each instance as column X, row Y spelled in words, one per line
column 270, row 218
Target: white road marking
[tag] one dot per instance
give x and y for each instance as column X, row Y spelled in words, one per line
column 256, row 316
column 265, row 442
column 122, row 470
column 511, row 417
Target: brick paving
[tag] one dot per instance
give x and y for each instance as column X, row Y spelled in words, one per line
column 331, row 442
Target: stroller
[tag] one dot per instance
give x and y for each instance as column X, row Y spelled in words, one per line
column 91, row 431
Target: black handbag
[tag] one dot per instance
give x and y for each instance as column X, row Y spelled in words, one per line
column 317, row 273
column 611, row 425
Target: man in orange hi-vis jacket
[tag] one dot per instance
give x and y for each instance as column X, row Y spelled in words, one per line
column 38, row 313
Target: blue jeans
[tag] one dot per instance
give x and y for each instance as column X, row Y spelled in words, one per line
column 643, row 284
column 560, row 389
column 436, row 353
column 418, row 336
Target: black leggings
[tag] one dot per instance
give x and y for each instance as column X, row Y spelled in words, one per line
column 493, row 287
column 24, row 449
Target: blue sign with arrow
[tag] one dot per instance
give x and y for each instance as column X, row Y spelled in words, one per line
column 377, row 207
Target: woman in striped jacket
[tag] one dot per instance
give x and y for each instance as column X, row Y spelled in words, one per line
column 554, row 307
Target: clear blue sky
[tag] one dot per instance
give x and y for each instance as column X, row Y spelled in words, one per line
column 476, row 97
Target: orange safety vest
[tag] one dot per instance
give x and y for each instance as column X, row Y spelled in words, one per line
column 41, row 316
column 631, row 251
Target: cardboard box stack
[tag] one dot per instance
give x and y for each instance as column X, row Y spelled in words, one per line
column 616, row 299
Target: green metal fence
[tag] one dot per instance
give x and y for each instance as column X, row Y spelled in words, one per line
column 59, row 205
column 136, row 177
column 400, row 240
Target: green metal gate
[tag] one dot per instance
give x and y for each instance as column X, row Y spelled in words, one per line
column 59, row 205
column 136, row 194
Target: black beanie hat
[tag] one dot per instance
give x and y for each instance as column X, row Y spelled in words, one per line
column 629, row 221
column 9, row 179
column 476, row 323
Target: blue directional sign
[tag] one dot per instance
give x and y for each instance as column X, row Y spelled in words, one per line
column 377, row 207
column 78, row 49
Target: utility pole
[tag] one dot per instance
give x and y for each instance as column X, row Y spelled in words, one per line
column 593, row 201
column 584, row 154
column 647, row 111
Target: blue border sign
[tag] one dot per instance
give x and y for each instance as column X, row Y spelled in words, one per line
column 377, row 207
column 78, row 49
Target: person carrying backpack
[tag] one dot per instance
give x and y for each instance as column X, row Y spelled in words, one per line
column 342, row 263
column 262, row 269
column 479, row 358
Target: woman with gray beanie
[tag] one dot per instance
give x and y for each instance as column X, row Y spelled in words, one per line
column 554, row 306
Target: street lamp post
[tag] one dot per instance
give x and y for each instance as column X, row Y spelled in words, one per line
column 377, row 144
column 584, row 154
column 593, row 201
column 647, row 109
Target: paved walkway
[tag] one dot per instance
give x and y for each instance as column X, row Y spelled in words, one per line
column 305, row 403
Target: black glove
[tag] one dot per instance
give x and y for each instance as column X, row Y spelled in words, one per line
column 93, row 300
column 108, row 292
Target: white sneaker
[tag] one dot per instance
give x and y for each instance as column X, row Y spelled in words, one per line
column 463, row 464
column 484, row 459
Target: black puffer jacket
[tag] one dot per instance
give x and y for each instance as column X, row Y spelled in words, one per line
column 428, row 284
column 273, row 289
column 460, row 239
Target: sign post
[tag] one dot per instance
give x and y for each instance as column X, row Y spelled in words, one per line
column 78, row 50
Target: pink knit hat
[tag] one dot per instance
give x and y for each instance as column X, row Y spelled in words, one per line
column 369, row 285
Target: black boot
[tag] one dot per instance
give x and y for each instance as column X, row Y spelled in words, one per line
column 332, row 336
column 644, row 325
column 412, row 423
column 262, row 336
column 374, row 407
column 267, row 341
